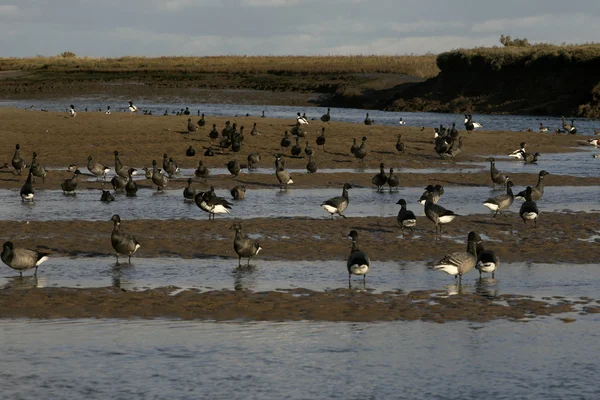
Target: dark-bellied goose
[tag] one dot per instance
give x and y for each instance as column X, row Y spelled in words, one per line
column 27, row 192
column 226, row 131
column 436, row 192
column 189, row 193
column 453, row 133
column 254, row 131
column 212, row 204
column 296, row 149
column 17, row 161
column 106, row 196
column 283, row 176
column 244, row 246
column 122, row 242
column 354, row 146
column 361, row 152
column 234, row 168
column 311, row 167
column 442, row 145
column 337, row 205
column 543, row 128
column 22, row 259
column 358, row 262
column 38, row 169
column 537, row 191
column 209, row 152
column 437, row 214
column 487, row 260
column 201, row 172
column 529, row 210
column 569, row 128
column 170, row 166
column 238, row 192
column 202, row 121
column 69, row 185
column 518, row 154
column 97, row 169
column 369, row 121
column 308, row 150
column 191, row 127
column 405, row 218
column 301, row 120
column 132, row 108
column 253, row 159
column 263, row 115
column 393, row 180
column 400, row 146
column 120, row 169
column 187, row 111
column 454, row 150
column 118, row 183
column 72, row 111
column 321, row 139
column 214, row 133
column 158, row 178
column 530, row 158
column 326, row 117
column 147, row 173
column 131, row 187
column 285, row 141
column 501, row 202
column 497, row 176
column 459, row 263
column 380, row 179
column 298, row 131
column 190, row 152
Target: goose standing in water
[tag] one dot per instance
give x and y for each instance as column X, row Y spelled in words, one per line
column 393, row 180
column 311, row 167
column 497, row 176
column 337, row 205
column 253, row 159
column 234, row 168
column 106, row 196
column 189, row 193
column 380, row 179
column 537, row 191
column 369, row 121
column 212, row 204
column 202, row 121
column 37, row 169
column 436, row 192
column 201, row 172
column 401, row 122
column 459, row 263
column 530, row 158
column 120, row 169
column 17, row 161
column 405, row 217
column 170, row 166
column 27, row 192
column 358, row 262
column 529, row 210
column 487, row 260
column 400, row 146
column 437, row 214
column 361, row 152
column 321, row 139
column 518, row 154
column 118, row 183
column 72, row 111
column 131, row 187
column 283, row 176
column 97, row 169
column 158, row 179
column 501, row 202
column 122, row 242
column 238, row 192
column 22, row 259
column 132, row 108
column 244, row 246
column 69, row 185
column 285, row 141
column 326, row 117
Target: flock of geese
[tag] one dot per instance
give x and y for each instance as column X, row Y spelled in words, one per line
column 448, row 143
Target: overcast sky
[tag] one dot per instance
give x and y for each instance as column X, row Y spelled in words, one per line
column 284, row 27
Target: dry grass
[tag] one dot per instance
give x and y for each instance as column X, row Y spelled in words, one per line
column 422, row 66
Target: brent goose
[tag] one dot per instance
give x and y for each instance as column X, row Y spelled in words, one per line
column 158, row 178
column 201, row 171
column 253, row 159
column 97, row 169
column 263, row 115
column 27, row 192
column 337, row 205
column 326, row 117
column 369, row 121
column 298, row 131
column 530, row 158
column 254, row 131
column 190, row 152
column 69, row 185
column 459, row 263
column 437, row 214
column 358, row 262
column 380, row 179
column 361, row 152
column 454, row 150
column 37, row 168
column 226, row 131
column 17, row 161
column 209, row 152
column 189, row 193
column 201, row 122
column 518, row 154
column 106, row 196
column 282, row 175
column 497, row 176
column 132, row 108
column 118, row 183
column 214, row 133
column 487, row 260
column 120, row 169
column 406, row 218
column 285, row 141
column 234, row 168
column 244, row 246
column 501, row 202
column 321, row 139
column 400, row 146
column 312, row 165
column 308, row 150
column 537, row 191
column 354, row 146
column 191, row 127
column 122, row 242
column 22, row 259
column 238, row 192
column 131, row 187
column 296, row 149
column 393, row 180
column 529, row 210
column 169, row 165
column 436, row 191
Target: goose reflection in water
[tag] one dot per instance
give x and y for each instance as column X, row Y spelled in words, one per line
column 24, row 282
column 244, row 278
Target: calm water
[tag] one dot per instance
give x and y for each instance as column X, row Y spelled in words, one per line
column 491, row 122
column 74, row 359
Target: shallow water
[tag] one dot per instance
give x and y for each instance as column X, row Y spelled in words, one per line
column 489, row 122
column 542, row 359
column 533, row 279
column 52, row 205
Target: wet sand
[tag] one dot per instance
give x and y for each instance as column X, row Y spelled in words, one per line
column 60, row 141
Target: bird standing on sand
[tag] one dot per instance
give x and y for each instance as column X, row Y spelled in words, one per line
column 321, row 139
column 17, row 161
column 459, row 263
column 122, row 242
column 72, row 111
column 361, row 152
column 244, row 246
column 369, row 121
column 358, row 262
column 132, row 108
column 201, row 122
column 22, row 259
column 191, row 127
column 326, row 117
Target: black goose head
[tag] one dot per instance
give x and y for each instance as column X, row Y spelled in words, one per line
column 116, row 219
column 17, row 146
column 381, row 166
column 347, row 186
column 154, row 163
column 391, row 171
column 543, row 173
column 165, row 156
column 130, row 171
column 402, row 202
column 236, row 226
column 8, row 246
column 116, row 153
column 189, row 181
column 509, row 184
column 353, row 235
column 523, row 145
column 34, row 154
column 364, row 138
column 439, row 188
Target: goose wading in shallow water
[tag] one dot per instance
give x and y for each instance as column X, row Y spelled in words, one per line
column 501, row 202
column 530, row 158
column 212, row 204
column 27, row 192
column 97, row 169
column 69, row 185
column 158, row 179
column 393, row 180
column 283, row 176
column 38, row 170
column 537, row 191
column 361, row 152
column 106, row 197
column 380, row 179
column 22, row 259
column 189, row 193
column 487, row 260
column 131, row 187
column 405, row 218
column 497, row 176
column 437, row 214
column 244, row 246
column 529, row 210
column 436, row 192
column 358, row 262
column 238, row 192
column 337, row 205
column 459, row 263
column 122, row 242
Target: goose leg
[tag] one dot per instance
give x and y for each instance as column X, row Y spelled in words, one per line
column 117, row 258
column 129, row 259
column 239, row 261
column 349, row 281
column 364, row 279
column 342, row 215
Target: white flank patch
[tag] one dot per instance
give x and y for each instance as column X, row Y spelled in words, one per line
column 447, row 268
column 491, row 206
column 137, row 246
column 290, row 182
column 28, row 196
column 447, row 218
column 259, row 249
column 422, row 201
column 477, row 125
column 41, row 260
column 357, row 269
column 466, row 120
column 487, row 267
column 106, row 170
column 530, row 215
column 409, row 223
column 220, row 210
column 329, row 208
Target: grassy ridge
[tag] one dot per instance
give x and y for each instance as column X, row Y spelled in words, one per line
column 420, row 66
